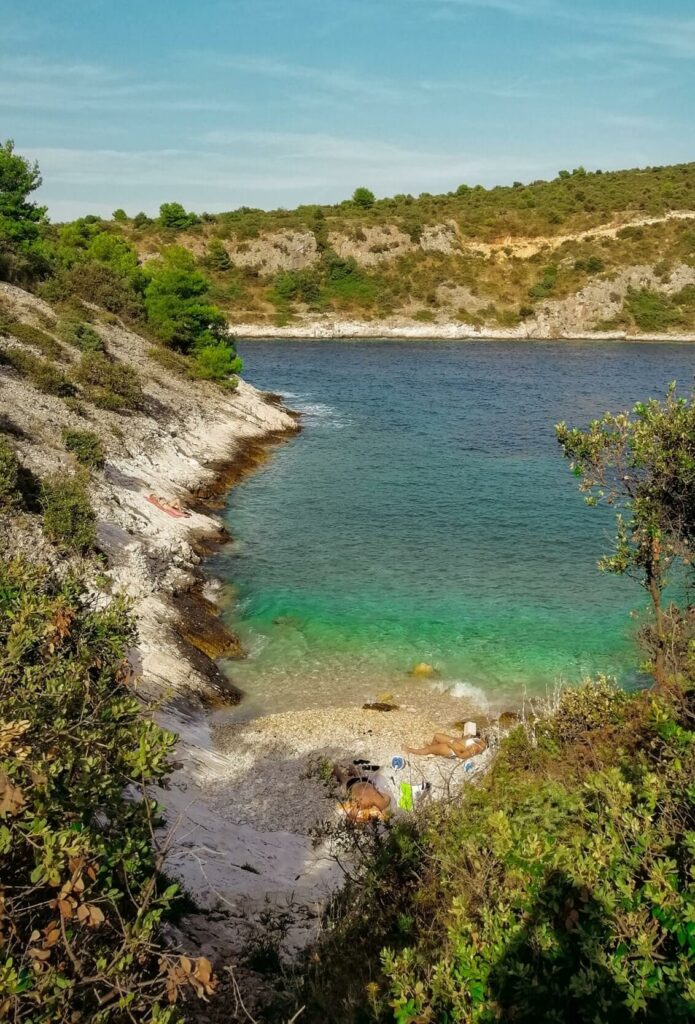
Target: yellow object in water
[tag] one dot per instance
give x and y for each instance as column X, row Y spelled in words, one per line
column 422, row 669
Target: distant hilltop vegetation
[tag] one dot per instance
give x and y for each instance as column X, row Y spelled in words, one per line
column 588, row 252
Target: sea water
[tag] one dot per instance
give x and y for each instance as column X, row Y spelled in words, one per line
column 425, row 514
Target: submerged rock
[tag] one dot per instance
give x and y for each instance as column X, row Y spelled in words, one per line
column 200, row 626
column 423, row 670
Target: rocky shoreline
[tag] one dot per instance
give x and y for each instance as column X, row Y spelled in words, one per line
column 575, row 317
column 409, row 330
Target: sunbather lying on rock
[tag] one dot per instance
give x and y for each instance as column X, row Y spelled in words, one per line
column 362, row 799
column 449, row 746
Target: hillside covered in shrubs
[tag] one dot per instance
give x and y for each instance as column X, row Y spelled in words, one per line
column 584, row 252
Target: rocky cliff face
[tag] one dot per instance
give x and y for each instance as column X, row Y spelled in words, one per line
column 602, row 300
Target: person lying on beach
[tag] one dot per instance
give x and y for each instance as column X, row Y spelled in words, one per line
column 172, row 508
column 362, row 798
column 449, row 746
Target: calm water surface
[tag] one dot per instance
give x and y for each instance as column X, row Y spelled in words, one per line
column 426, row 514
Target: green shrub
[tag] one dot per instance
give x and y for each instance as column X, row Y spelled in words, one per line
column 108, row 384
column 363, row 198
column 631, row 233
column 591, row 265
column 86, row 446
column 216, row 362
column 593, row 705
column 174, row 216
column 546, row 285
column 102, row 285
column 76, row 332
column 38, row 338
column 68, row 516
column 170, row 360
column 43, row 374
column 176, row 302
column 141, row 220
column 296, row 285
column 10, row 494
column 76, row 406
column 346, row 283
column 413, row 228
column 651, row 310
column 23, row 254
column 216, row 256
column 82, row 904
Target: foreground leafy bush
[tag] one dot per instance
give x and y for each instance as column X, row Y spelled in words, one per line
column 594, row 705
column 80, row 903
column 560, row 890
column 109, row 384
column 642, row 464
column 68, row 516
column 86, row 446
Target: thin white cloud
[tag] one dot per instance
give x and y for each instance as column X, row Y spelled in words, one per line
column 33, row 83
column 47, row 70
column 675, row 36
column 334, row 79
column 519, row 8
column 637, row 122
column 517, row 90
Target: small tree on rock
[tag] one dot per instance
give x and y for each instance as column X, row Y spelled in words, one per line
column 643, row 464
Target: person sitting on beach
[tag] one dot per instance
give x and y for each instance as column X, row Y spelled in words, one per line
column 363, row 800
column 449, row 746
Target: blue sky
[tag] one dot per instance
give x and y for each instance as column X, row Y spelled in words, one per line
column 223, row 103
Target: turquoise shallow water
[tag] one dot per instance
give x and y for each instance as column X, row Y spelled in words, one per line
column 426, row 514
